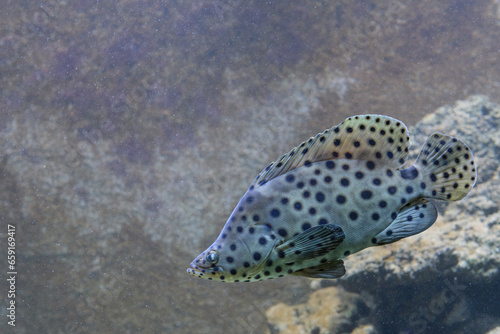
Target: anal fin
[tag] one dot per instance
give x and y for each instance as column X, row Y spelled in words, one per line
column 414, row 218
column 311, row 243
column 334, row 269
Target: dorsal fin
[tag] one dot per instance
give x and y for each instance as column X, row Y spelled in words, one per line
column 379, row 138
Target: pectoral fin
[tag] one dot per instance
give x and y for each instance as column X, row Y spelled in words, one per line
column 334, row 269
column 312, row 243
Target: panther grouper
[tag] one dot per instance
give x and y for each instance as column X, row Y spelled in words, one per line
column 333, row 195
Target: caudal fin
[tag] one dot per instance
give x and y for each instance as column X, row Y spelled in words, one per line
column 448, row 166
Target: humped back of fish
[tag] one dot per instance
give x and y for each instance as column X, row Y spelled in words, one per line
column 335, row 194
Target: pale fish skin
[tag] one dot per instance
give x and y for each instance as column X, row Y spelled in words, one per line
column 335, row 194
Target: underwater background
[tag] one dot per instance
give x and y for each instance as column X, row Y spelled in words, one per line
column 129, row 130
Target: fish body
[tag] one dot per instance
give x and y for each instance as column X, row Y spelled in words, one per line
column 338, row 193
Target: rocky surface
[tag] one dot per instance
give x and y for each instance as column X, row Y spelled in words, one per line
column 330, row 310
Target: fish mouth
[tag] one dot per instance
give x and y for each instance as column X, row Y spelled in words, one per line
column 203, row 272
column 194, row 272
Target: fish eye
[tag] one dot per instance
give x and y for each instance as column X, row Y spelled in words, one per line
column 212, row 257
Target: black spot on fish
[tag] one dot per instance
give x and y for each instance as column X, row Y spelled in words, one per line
column 409, row 173
column 375, row 216
column 330, row 164
column 284, row 200
column 341, row 199
column 392, row 190
column 370, row 165
column 232, row 247
column 377, row 182
column 256, row 218
column 320, row 197
column 344, row 182
column 290, row 178
column 282, row 232
column 359, row 175
column 262, row 241
column 389, row 173
column 229, row 259
column 353, row 215
column 306, row 194
column 328, row 179
column 306, row 226
column 312, row 211
column 300, row 185
column 256, row 256
column 345, row 167
column 298, row 206
column 382, row 204
column 275, row 213
column 322, row 221
column 366, row 194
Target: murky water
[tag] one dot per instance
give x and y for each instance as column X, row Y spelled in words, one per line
column 129, row 130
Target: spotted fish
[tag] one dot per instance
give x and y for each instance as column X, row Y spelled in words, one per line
column 335, row 194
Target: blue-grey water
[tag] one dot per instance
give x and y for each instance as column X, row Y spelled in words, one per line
column 129, row 130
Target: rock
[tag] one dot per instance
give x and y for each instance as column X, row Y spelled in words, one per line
column 328, row 310
column 365, row 329
column 494, row 331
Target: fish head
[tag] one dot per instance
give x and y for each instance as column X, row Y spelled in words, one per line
column 235, row 256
